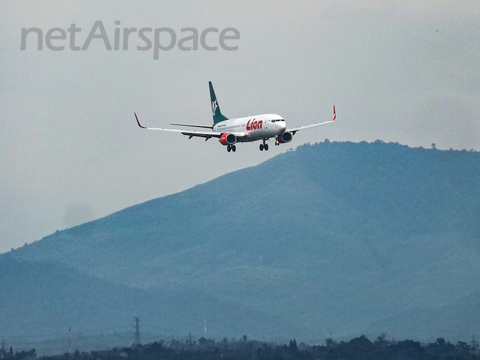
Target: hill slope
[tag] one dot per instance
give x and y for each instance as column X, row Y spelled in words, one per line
column 331, row 237
column 40, row 301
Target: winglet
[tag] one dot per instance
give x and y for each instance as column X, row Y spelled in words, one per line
column 334, row 114
column 138, row 122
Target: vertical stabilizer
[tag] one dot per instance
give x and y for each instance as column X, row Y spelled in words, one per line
column 216, row 113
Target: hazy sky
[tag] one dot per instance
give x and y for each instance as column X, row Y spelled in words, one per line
column 401, row 71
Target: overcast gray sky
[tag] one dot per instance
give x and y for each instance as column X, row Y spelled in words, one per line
column 401, row 71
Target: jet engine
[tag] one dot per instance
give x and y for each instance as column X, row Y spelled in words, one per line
column 227, row 139
column 286, row 137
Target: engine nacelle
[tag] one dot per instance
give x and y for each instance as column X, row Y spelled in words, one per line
column 286, row 137
column 227, row 139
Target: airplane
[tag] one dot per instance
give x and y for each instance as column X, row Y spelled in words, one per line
column 245, row 129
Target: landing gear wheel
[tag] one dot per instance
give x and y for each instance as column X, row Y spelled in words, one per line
column 234, row 148
column 264, row 146
column 229, row 148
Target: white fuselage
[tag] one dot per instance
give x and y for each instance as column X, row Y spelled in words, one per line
column 252, row 128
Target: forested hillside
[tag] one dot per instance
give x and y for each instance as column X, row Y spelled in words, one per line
column 349, row 238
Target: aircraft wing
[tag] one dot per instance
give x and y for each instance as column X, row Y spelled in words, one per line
column 295, row 129
column 204, row 134
column 194, row 125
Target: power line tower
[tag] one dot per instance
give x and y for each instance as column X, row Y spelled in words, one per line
column 189, row 341
column 474, row 344
column 137, row 332
column 69, row 338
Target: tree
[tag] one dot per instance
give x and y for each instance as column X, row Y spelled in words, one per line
column 462, row 347
column 293, row 345
column 330, row 342
column 381, row 340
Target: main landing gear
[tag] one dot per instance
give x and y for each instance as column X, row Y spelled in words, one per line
column 231, row 148
column 263, row 146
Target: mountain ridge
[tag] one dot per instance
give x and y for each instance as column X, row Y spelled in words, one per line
column 331, row 237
